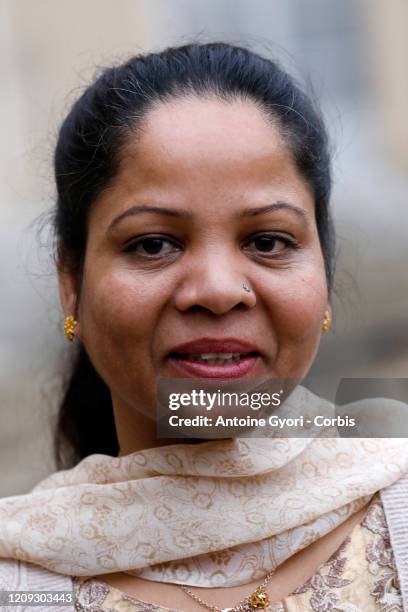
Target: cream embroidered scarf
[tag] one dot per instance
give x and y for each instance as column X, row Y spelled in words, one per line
column 217, row 513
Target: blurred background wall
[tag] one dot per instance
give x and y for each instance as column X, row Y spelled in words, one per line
column 354, row 52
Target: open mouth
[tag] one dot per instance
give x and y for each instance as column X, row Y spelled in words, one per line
column 214, row 358
column 214, row 365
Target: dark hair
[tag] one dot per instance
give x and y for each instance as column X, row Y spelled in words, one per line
column 87, row 157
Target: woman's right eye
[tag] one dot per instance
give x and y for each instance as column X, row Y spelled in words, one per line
column 151, row 246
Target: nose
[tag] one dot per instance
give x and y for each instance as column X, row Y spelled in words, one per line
column 215, row 283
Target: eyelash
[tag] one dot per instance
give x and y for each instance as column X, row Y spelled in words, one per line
column 131, row 246
column 290, row 243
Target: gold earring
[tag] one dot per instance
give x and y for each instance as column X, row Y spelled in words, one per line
column 326, row 322
column 69, row 327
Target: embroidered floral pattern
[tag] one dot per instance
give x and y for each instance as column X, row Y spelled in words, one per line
column 324, row 598
column 263, row 495
column 92, row 596
column 327, row 582
column 386, row 591
column 385, row 594
column 332, row 588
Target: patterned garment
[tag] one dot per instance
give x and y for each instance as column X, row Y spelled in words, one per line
column 360, row 576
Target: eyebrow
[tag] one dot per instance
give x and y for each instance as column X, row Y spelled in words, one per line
column 143, row 208
column 184, row 214
column 251, row 212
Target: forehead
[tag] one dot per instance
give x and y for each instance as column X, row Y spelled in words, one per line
column 193, row 127
column 207, row 155
column 207, row 137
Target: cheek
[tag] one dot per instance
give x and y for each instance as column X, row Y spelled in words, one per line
column 119, row 314
column 306, row 306
column 297, row 306
column 297, row 302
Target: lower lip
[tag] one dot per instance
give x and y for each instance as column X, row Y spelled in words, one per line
column 201, row 370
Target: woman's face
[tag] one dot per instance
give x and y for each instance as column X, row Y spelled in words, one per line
column 207, row 198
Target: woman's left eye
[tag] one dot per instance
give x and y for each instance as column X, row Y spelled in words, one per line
column 151, row 246
column 270, row 244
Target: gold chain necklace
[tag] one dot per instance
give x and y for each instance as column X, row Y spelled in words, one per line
column 255, row 601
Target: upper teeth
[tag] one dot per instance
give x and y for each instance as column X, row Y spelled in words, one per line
column 218, row 355
column 215, row 358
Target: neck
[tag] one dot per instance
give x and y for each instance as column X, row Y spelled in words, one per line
column 137, row 430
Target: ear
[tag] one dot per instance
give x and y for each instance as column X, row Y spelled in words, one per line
column 67, row 286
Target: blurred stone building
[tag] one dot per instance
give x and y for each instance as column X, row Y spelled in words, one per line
column 355, row 53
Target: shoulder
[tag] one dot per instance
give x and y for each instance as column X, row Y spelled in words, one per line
column 395, row 503
column 396, row 494
column 10, row 576
column 16, row 575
